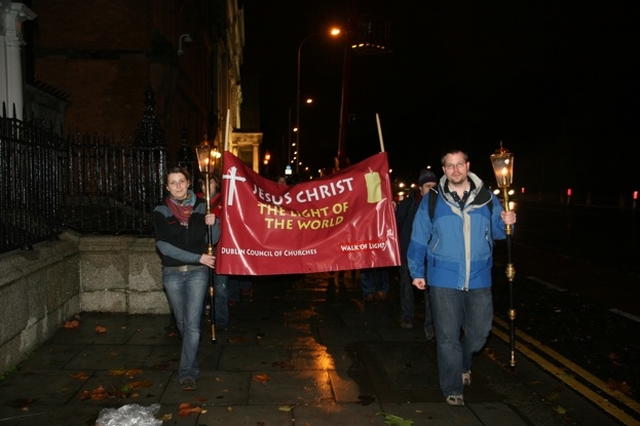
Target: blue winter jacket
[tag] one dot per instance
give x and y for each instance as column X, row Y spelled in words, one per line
column 458, row 244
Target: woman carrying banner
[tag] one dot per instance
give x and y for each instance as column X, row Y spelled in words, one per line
column 180, row 223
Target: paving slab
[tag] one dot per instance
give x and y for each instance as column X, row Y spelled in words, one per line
column 304, row 351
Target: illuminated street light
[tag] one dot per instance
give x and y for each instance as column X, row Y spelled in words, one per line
column 294, row 130
column 267, row 158
column 334, row 32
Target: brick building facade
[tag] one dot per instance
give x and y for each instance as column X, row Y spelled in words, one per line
column 98, row 58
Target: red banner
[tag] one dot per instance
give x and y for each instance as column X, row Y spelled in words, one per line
column 340, row 222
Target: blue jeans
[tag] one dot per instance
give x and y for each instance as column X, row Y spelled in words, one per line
column 186, row 292
column 407, row 305
column 374, row 279
column 453, row 310
column 221, row 286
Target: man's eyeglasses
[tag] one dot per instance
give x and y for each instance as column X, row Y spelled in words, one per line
column 459, row 165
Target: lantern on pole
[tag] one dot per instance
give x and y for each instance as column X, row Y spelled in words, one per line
column 207, row 155
column 502, row 161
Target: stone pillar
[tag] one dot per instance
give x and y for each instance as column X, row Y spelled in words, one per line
column 256, row 158
column 11, row 87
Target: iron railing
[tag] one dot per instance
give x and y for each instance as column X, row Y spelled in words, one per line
column 93, row 184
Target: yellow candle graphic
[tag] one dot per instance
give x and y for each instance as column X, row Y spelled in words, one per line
column 374, row 190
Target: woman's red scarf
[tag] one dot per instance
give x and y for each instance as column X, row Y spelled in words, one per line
column 182, row 209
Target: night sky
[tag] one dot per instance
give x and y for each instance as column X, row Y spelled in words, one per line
column 556, row 81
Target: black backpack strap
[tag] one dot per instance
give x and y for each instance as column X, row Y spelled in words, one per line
column 490, row 204
column 433, row 198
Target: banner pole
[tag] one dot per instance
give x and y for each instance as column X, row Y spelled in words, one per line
column 380, row 133
column 226, row 133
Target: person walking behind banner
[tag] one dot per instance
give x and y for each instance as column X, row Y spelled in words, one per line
column 458, row 243
column 180, row 224
column 405, row 213
column 375, row 284
column 240, row 288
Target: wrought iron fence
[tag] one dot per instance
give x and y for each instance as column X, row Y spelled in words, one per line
column 88, row 183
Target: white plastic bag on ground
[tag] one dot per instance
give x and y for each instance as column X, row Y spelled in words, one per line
column 129, row 415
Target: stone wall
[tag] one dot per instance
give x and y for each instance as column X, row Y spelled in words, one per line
column 39, row 290
column 121, row 274
column 42, row 289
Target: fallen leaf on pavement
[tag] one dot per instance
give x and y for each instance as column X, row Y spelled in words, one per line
column 392, row 420
column 100, row 329
column 619, row 386
column 98, row 394
column 122, row 372
column 141, row 384
column 21, row 404
column 80, row 376
column 285, row 408
column 186, row 409
column 560, row 410
column 261, row 378
column 72, row 324
column 281, row 364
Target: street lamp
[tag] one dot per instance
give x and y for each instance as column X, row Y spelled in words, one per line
column 334, row 32
column 207, row 155
column 267, row 157
column 502, row 161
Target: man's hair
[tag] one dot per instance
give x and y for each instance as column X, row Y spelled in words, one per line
column 201, row 179
column 454, row 151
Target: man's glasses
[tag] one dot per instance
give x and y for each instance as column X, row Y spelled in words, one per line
column 459, row 165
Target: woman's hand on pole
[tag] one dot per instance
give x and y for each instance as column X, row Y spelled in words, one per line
column 208, row 260
column 210, row 219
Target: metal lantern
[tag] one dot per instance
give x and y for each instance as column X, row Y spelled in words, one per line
column 207, row 156
column 502, row 161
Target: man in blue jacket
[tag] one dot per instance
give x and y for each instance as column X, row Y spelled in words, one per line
column 458, row 244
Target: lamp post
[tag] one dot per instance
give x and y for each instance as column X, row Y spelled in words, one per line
column 207, row 155
column 334, row 32
column 502, row 161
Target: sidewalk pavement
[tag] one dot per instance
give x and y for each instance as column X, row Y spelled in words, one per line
column 306, row 350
